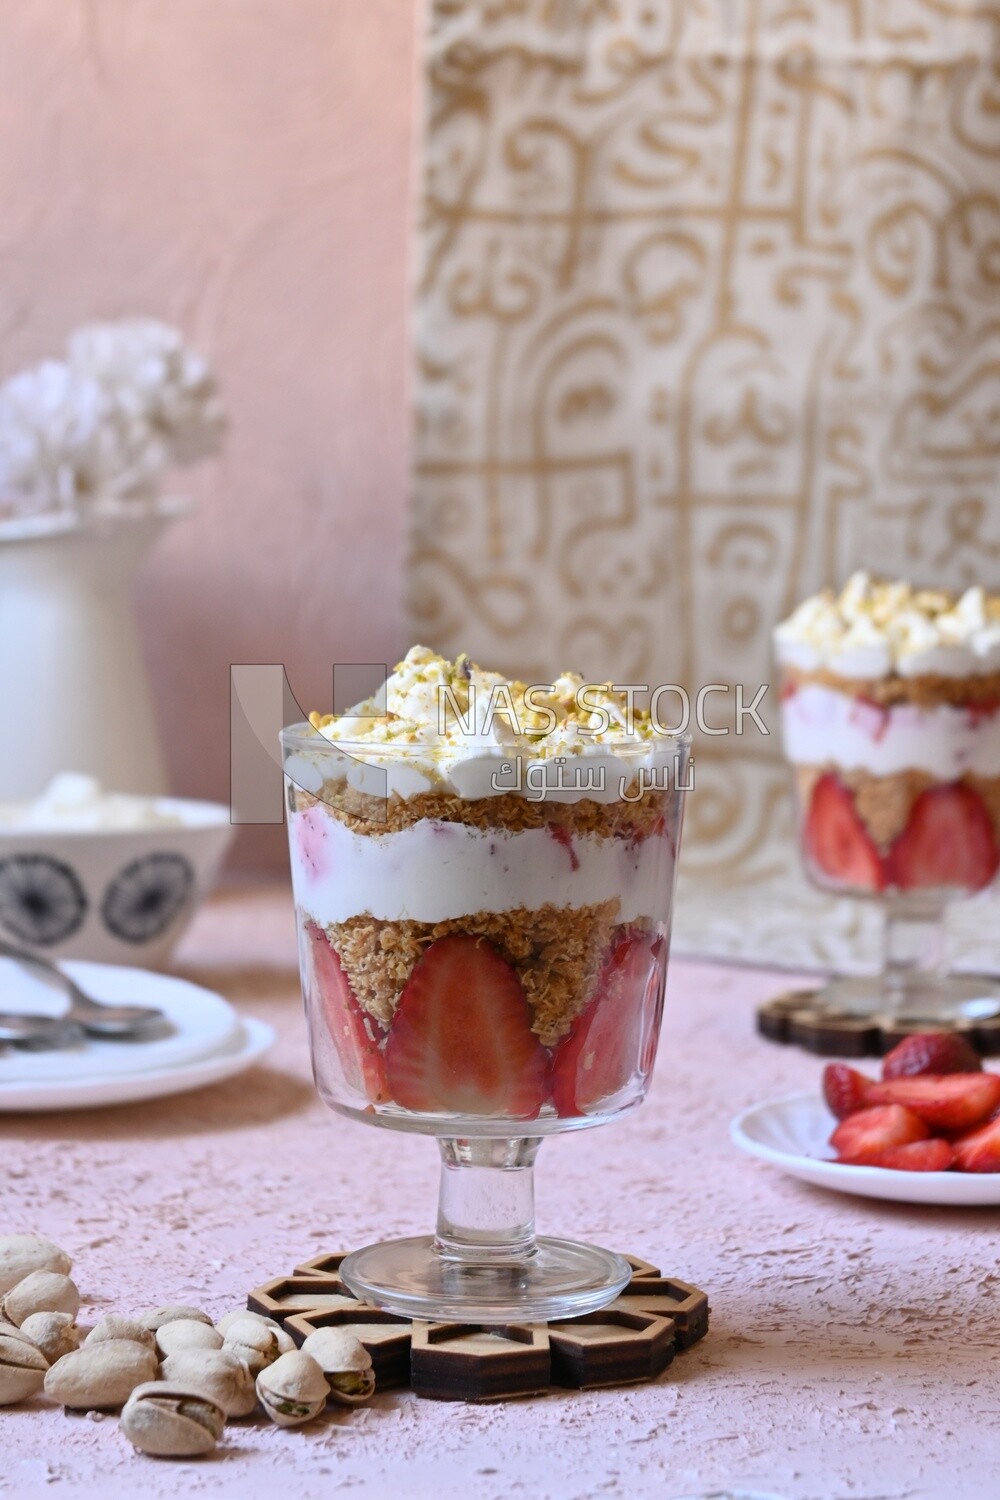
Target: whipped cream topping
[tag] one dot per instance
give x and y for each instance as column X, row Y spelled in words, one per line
column 76, row 803
column 450, row 726
column 874, row 628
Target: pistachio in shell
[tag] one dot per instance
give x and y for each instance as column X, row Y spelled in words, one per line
column 112, row 1326
column 22, row 1366
column 285, row 1341
column 100, row 1377
column 42, row 1291
column 169, row 1420
column 55, row 1333
column 187, row 1333
column 20, row 1254
column 293, row 1389
column 154, row 1318
column 345, row 1362
column 253, row 1342
column 218, row 1374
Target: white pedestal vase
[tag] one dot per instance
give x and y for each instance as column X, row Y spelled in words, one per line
column 74, row 694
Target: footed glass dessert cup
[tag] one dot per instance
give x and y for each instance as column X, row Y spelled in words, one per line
column 486, row 967
column 898, row 803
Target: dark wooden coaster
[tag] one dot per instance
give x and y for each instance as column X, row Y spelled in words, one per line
column 290, row 1294
column 322, row 1265
column 796, row 1018
column 641, row 1269
column 471, row 1362
column 663, row 1297
column 634, row 1339
column 610, row 1347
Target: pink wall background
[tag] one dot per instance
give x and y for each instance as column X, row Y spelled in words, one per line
column 242, row 168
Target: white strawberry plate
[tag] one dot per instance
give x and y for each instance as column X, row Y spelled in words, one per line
column 792, row 1134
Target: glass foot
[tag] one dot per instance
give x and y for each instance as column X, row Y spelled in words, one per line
column 932, row 1000
column 558, row 1279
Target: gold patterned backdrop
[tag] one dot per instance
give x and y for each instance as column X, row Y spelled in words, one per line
column 707, row 312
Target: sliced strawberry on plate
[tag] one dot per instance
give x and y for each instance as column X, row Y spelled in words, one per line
column 870, row 1131
column 931, row 1052
column 917, row 1156
column 837, row 842
column 615, row 1037
column 461, row 1039
column 354, row 1034
column 948, row 841
column 844, row 1089
column 979, row 1151
column 958, row 1101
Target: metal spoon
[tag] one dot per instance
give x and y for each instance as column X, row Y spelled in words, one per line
column 92, row 1016
column 39, row 1031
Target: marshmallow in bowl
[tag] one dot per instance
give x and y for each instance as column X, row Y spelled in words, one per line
column 874, row 627
column 74, row 803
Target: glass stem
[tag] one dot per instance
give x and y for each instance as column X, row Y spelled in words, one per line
column 486, row 1206
column 914, row 947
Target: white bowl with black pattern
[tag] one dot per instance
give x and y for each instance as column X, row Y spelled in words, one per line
column 112, row 895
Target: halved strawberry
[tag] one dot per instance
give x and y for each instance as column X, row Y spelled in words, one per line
column 931, row 1052
column 870, row 1131
column 616, row 1035
column 979, row 1151
column 836, row 840
column 354, row 1034
column 957, row 1101
column 948, row 841
column 461, row 1040
column 917, row 1156
column 844, row 1089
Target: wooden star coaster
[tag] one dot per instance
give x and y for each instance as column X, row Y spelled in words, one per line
column 662, row 1297
column 798, row 1018
column 288, row 1294
column 472, row 1362
column 632, row 1340
column 610, row 1347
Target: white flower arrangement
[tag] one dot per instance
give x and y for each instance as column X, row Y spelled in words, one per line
column 94, row 434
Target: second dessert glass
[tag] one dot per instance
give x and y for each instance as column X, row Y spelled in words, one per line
column 487, row 970
column 899, row 803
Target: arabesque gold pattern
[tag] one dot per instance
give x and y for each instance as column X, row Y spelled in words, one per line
column 708, row 312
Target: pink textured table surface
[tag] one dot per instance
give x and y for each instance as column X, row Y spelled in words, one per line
column 852, row 1343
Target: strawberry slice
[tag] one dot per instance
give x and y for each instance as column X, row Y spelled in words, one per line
column 461, row 1040
column 837, row 842
column 354, row 1034
column 616, row 1035
column 948, row 841
column 979, row 1151
column 957, row 1101
column 931, row 1052
column 870, row 1131
column 844, row 1089
column 918, row 1156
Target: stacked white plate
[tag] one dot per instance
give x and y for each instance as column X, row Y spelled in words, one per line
column 203, row 1041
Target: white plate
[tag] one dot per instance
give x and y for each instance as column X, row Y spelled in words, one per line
column 201, row 1023
column 251, row 1040
column 792, row 1134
